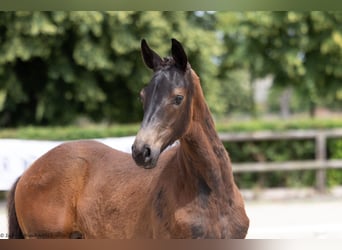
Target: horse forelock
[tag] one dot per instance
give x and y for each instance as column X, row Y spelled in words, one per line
column 167, row 61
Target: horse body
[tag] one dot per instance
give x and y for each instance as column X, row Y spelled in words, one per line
column 85, row 189
column 89, row 189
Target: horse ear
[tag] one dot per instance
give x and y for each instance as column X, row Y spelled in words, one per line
column 151, row 58
column 179, row 55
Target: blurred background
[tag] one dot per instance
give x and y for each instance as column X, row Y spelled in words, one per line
column 273, row 81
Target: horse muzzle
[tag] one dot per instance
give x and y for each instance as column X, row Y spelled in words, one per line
column 144, row 155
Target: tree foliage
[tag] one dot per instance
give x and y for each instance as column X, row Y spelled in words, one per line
column 57, row 66
column 300, row 49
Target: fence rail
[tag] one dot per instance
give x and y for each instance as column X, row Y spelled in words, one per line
column 16, row 155
column 320, row 163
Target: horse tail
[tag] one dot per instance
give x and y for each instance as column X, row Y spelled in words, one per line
column 14, row 230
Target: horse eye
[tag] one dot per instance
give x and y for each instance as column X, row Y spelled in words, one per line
column 178, row 99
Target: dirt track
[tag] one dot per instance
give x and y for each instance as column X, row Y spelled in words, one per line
column 309, row 218
column 313, row 218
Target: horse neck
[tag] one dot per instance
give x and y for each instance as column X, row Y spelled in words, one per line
column 201, row 153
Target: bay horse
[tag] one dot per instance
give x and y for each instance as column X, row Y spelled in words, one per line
column 85, row 189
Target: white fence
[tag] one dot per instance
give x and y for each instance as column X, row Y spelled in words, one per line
column 320, row 163
column 17, row 155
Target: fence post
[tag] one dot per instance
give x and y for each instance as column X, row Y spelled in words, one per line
column 321, row 156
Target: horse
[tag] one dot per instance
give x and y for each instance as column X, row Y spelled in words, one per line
column 85, row 189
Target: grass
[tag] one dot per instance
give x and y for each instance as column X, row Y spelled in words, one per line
column 69, row 132
column 119, row 130
column 278, row 125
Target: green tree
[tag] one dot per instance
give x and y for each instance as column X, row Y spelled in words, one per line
column 56, row 66
column 300, row 49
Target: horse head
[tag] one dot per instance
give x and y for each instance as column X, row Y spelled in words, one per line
column 166, row 102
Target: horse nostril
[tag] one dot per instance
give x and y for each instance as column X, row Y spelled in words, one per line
column 134, row 151
column 142, row 155
column 147, row 151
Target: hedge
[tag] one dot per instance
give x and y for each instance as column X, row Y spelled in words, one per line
column 251, row 151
